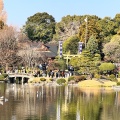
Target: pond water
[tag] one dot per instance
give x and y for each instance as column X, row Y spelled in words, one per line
column 29, row 102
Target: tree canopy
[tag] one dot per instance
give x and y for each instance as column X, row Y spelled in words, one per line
column 112, row 49
column 67, row 27
column 71, row 45
column 40, row 27
column 105, row 67
column 92, row 45
column 8, row 47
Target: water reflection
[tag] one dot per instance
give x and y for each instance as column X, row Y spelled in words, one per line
column 29, row 102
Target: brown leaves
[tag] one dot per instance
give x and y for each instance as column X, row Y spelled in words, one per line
column 3, row 14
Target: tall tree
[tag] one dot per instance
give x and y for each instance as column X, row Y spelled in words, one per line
column 88, row 27
column 8, row 47
column 116, row 20
column 92, row 45
column 3, row 15
column 107, row 29
column 71, row 45
column 67, row 27
column 40, row 27
column 112, row 49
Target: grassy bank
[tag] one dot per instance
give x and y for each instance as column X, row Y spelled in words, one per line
column 85, row 83
column 94, row 83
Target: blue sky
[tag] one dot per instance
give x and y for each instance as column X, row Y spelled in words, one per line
column 19, row 10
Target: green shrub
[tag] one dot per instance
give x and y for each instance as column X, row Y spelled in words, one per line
column 71, row 78
column 5, row 75
column 42, row 79
column 31, row 81
column 61, row 81
column 118, row 83
column 97, row 76
column 107, row 67
column 2, row 77
column 119, row 74
column 112, row 77
column 51, row 79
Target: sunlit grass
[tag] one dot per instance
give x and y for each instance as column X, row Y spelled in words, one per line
column 94, row 83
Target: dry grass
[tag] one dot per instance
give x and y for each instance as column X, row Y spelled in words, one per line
column 109, row 84
column 118, row 79
column 90, row 83
column 94, row 83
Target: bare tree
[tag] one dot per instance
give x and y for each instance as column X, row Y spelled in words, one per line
column 29, row 54
column 3, row 14
column 8, row 47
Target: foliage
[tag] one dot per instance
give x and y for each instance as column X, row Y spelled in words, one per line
column 107, row 67
column 119, row 74
column 60, row 64
column 42, row 79
column 61, row 81
column 112, row 49
column 5, row 75
column 116, row 20
column 74, row 62
column 2, row 77
column 1, row 24
column 112, row 77
column 57, row 64
column 118, row 83
column 51, row 79
column 88, row 28
column 71, row 45
column 97, row 76
column 67, row 27
column 86, row 63
column 40, row 27
column 92, row 45
column 3, row 15
column 116, row 38
column 107, row 29
column 71, row 78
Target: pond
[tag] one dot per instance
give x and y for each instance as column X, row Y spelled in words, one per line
column 30, row 102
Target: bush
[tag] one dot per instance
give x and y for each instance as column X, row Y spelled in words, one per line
column 5, row 75
column 79, row 78
column 112, row 77
column 61, row 81
column 119, row 74
column 118, row 83
column 31, row 81
column 97, row 76
column 105, row 67
column 71, row 78
column 2, row 77
column 51, row 79
column 42, row 79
